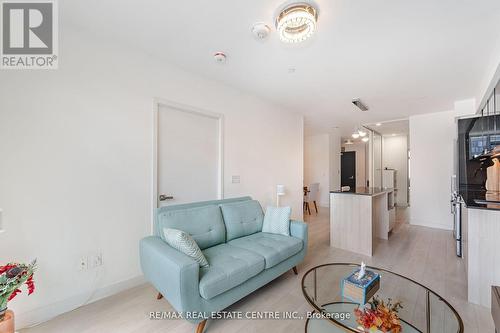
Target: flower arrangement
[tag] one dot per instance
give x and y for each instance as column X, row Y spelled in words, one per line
column 12, row 277
column 378, row 315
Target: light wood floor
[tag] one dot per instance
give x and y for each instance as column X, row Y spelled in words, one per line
column 426, row 255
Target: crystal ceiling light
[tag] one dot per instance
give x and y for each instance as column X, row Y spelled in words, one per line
column 355, row 135
column 296, row 22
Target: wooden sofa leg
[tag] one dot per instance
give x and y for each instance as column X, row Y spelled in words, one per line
column 295, row 270
column 159, row 296
column 201, row 326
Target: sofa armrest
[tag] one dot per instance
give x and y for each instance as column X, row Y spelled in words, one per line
column 174, row 274
column 298, row 229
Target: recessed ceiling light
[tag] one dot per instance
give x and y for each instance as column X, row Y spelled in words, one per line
column 296, row 22
column 378, row 124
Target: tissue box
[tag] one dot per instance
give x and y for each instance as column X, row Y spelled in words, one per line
column 360, row 290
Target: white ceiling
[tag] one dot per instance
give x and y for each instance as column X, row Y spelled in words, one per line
column 397, row 127
column 400, row 57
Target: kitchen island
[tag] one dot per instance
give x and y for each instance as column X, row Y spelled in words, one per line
column 480, row 232
column 359, row 216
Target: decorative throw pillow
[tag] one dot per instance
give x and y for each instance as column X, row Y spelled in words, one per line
column 277, row 220
column 182, row 241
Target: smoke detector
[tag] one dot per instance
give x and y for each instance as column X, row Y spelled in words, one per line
column 261, row 30
column 220, row 57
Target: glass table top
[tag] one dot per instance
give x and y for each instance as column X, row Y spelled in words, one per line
column 423, row 310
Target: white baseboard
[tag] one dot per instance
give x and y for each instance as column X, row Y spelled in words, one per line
column 430, row 224
column 47, row 312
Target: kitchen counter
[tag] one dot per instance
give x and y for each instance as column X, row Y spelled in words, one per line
column 480, row 230
column 480, row 199
column 359, row 217
column 365, row 191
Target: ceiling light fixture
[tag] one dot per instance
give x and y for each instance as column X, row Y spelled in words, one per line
column 361, row 132
column 296, row 22
column 348, row 142
column 378, row 124
column 365, row 139
column 355, row 135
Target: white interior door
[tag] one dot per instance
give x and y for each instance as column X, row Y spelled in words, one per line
column 188, row 156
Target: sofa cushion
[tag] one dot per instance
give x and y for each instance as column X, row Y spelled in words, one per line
column 229, row 267
column 274, row 248
column 204, row 224
column 242, row 218
column 182, row 241
column 277, row 220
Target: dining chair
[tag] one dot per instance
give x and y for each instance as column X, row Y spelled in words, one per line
column 311, row 195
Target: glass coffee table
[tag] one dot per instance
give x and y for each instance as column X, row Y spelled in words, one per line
column 424, row 311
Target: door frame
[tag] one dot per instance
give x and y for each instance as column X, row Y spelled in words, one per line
column 157, row 102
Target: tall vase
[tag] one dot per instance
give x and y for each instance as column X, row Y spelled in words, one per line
column 7, row 324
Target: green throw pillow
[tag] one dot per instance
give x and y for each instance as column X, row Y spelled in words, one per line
column 277, row 220
column 182, row 241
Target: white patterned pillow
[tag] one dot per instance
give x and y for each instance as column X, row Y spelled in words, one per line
column 183, row 242
column 277, row 220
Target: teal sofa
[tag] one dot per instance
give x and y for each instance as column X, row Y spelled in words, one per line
column 241, row 257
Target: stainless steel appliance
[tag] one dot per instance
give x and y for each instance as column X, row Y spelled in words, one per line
column 456, row 211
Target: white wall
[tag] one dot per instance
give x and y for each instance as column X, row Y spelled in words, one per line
column 317, row 165
column 76, row 163
column 432, row 138
column 322, row 163
column 395, row 156
column 360, row 152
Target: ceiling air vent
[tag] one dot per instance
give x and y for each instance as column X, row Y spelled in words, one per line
column 360, row 104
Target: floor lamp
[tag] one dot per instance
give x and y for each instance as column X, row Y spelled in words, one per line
column 280, row 190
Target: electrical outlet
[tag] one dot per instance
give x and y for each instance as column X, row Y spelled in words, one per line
column 83, row 264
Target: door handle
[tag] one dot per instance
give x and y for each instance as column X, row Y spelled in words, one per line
column 352, row 177
column 164, row 197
